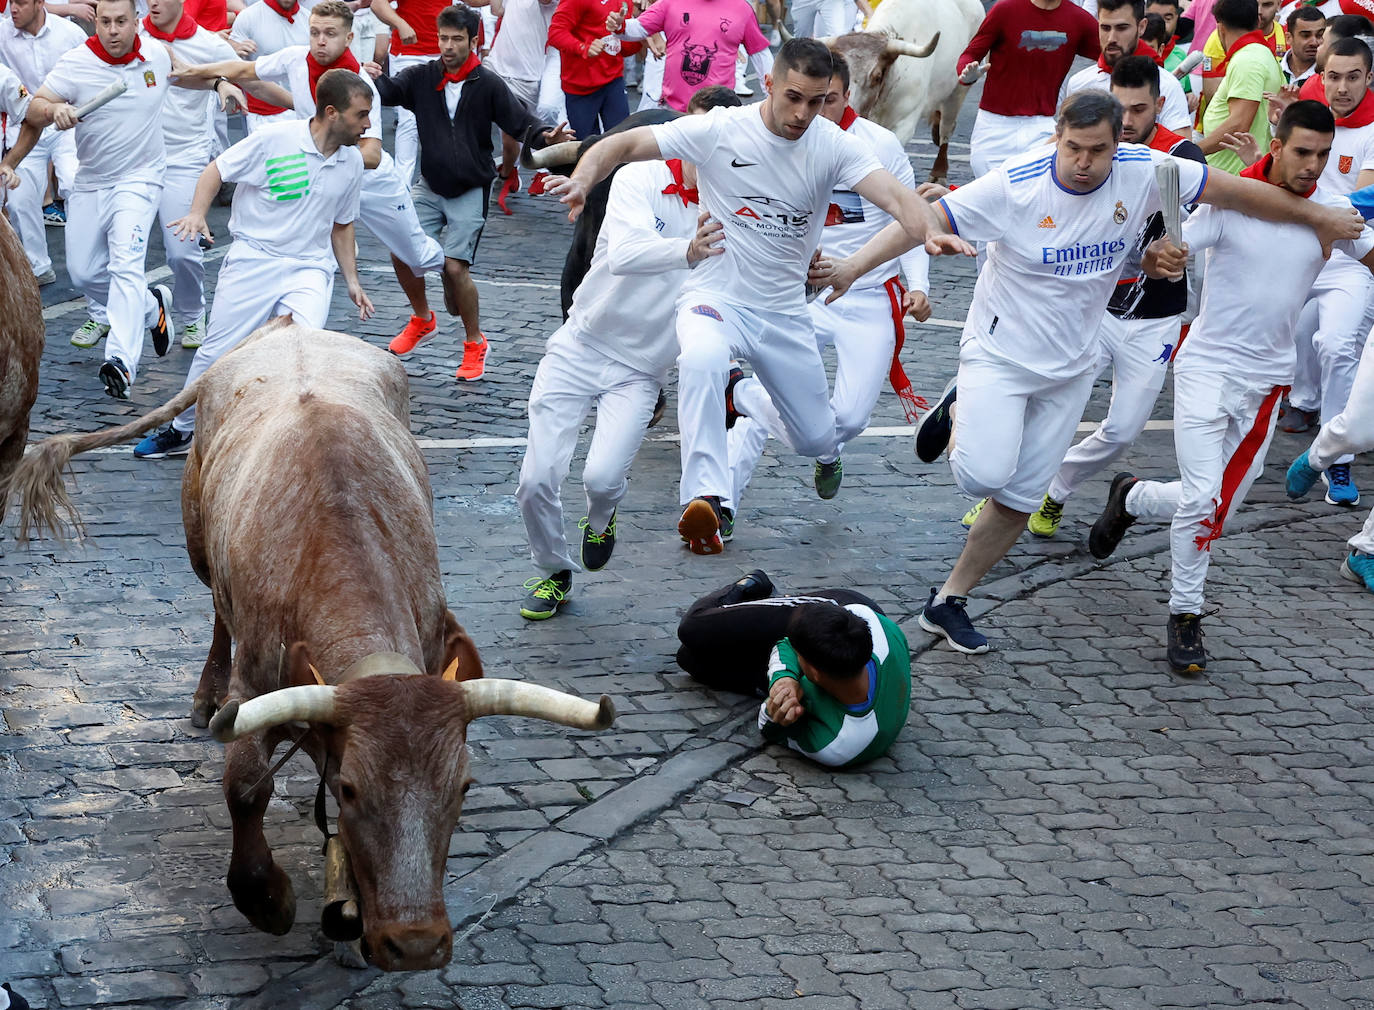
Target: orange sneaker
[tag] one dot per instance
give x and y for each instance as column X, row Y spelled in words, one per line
column 474, row 359
column 700, row 526
column 417, row 331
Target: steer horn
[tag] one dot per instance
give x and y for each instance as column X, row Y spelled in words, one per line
column 312, row 703
column 512, row 697
column 901, row 47
column 553, row 156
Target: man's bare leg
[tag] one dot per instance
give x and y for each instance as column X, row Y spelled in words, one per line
column 460, row 298
column 988, row 541
column 413, row 286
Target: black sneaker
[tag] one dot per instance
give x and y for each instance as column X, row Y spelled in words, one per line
column 116, row 378
column 597, row 547
column 17, row 1002
column 754, row 586
column 828, row 478
column 163, row 330
column 700, row 525
column 1186, row 654
column 727, row 523
column 1114, row 521
column 950, row 620
column 932, row 434
column 731, row 414
column 544, row 596
column 164, row 443
column 660, row 405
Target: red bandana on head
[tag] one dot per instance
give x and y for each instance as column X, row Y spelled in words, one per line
column 677, row 187
column 184, row 29
column 346, row 61
column 1141, row 49
column 847, row 118
column 94, row 45
column 460, row 75
column 287, row 12
column 1260, row 170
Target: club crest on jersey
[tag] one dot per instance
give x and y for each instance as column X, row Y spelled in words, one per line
column 1119, row 215
column 149, row 79
column 1346, row 163
column 706, row 310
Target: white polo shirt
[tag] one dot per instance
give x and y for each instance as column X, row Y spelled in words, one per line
column 31, row 57
column 121, row 141
column 270, row 31
column 770, row 194
column 14, row 97
column 1175, row 115
column 289, row 195
column 186, row 132
column 287, row 68
column 1053, row 253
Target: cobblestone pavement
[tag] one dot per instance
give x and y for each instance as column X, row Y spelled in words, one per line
column 1063, row 823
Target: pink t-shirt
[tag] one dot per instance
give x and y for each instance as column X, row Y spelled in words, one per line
column 703, row 38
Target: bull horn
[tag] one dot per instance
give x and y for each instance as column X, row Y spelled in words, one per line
column 901, row 47
column 783, row 33
column 311, row 703
column 512, row 697
column 553, row 156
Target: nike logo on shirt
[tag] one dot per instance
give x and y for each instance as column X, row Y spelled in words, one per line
column 736, row 163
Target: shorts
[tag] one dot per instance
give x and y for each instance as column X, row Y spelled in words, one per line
column 454, row 222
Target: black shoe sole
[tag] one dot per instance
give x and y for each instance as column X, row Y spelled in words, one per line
column 162, row 330
column 1114, row 521
column 933, row 433
column 1183, row 668
column 116, row 382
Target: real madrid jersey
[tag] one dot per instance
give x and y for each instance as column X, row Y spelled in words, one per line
column 1054, row 253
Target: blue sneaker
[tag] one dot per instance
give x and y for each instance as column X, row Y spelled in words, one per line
column 164, row 443
column 1359, row 567
column 950, row 620
column 1340, row 489
column 1300, row 478
column 55, row 214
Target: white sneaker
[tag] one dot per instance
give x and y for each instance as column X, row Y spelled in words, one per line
column 193, row 333
column 89, row 333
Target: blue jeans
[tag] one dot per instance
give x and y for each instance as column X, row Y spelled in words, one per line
column 607, row 104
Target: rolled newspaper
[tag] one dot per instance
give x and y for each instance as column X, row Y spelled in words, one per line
column 1188, row 63
column 1166, row 175
column 108, row 95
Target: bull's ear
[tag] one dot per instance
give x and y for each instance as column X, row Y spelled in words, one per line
column 300, row 671
column 461, row 661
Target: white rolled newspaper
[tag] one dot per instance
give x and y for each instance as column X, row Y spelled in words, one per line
column 1166, row 175
column 105, row 97
column 1189, row 63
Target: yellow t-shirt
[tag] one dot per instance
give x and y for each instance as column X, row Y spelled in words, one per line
column 1212, row 53
column 1251, row 72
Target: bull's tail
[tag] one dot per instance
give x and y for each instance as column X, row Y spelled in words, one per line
column 37, row 482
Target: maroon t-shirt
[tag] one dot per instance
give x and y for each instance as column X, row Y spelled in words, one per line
column 1032, row 51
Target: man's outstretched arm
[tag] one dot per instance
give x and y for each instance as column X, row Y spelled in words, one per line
column 638, row 144
column 1274, row 203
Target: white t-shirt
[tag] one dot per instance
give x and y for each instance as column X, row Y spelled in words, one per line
column 518, row 52
column 1175, row 115
column 625, row 305
column 122, row 140
column 289, row 195
column 186, row 129
column 1255, row 263
column 1352, row 151
column 770, row 194
column 1054, row 254
column 32, row 56
column 269, row 30
column 287, row 68
column 14, row 97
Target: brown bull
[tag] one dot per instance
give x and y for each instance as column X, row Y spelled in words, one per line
column 21, row 347
column 308, row 513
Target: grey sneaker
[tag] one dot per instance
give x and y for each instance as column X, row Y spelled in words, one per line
column 193, row 333
column 544, row 596
column 89, row 333
column 47, row 277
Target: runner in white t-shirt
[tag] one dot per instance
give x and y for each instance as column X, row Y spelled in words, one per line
column 269, row 25
column 766, row 172
column 298, row 185
column 117, row 188
column 1232, row 370
column 1059, row 222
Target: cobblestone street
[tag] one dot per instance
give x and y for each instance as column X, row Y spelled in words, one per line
column 1062, row 824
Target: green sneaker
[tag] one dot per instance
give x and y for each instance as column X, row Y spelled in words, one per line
column 727, row 523
column 193, row 333
column 971, row 516
column 89, row 333
column 828, row 478
column 546, row 595
column 1044, row 521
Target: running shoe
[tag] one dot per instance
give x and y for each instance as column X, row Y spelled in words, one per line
column 474, row 359
column 827, row 479
column 971, row 516
column 1359, row 567
column 545, row 595
column 416, row 332
column 1186, row 654
column 163, row 330
column 164, row 443
column 727, row 524
column 116, row 378
column 55, row 214
column 731, row 414
column 660, row 405
column 1114, row 521
column 193, row 333
column 932, row 434
column 1044, row 521
column 1340, row 489
column 48, row 276
column 596, row 547
column 89, row 333
column 1295, row 420
column 700, row 525
column 1300, row 478
column 950, row 620
column 754, row 586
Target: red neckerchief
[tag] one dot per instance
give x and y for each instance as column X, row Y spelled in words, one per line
column 93, row 43
column 847, row 118
column 1249, row 38
column 677, row 187
column 1141, row 49
column 1361, row 115
column 346, row 61
column 289, row 14
column 1313, row 90
column 1164, row 140
column 185, row 28
column 460, row 75
column 1260, row 170
column 1167, row 50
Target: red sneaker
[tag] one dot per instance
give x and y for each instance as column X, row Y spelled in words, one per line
column 699, row 526
column 474, row 359
column 417, row 331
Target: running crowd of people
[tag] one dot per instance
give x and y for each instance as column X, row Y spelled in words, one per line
column 1192, row 197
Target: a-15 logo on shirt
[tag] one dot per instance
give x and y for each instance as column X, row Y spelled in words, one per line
column 773, row 216
column 1082, row 257
column 1042, row 41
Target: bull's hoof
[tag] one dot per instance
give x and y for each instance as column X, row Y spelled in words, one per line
column 350, row 955
column 939, row 180
column 201, row 711
column 268, row 903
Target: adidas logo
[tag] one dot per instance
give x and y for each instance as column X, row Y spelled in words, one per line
column 1048, row 222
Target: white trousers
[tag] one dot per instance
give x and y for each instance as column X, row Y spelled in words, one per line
column 651, row 85
column 107, row 242
column 1351, row 431
column 386, row 209
column 1138, row 351
column 572, row 378
column 782, row 350
column 1342, row 295
column 997, row 138
column 253, row 288
column 25, row 204
column 185, row 257
column 1307, row 377
column 406, row 145
column 820, row 18
column 862, row 327
column 1222, row 428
